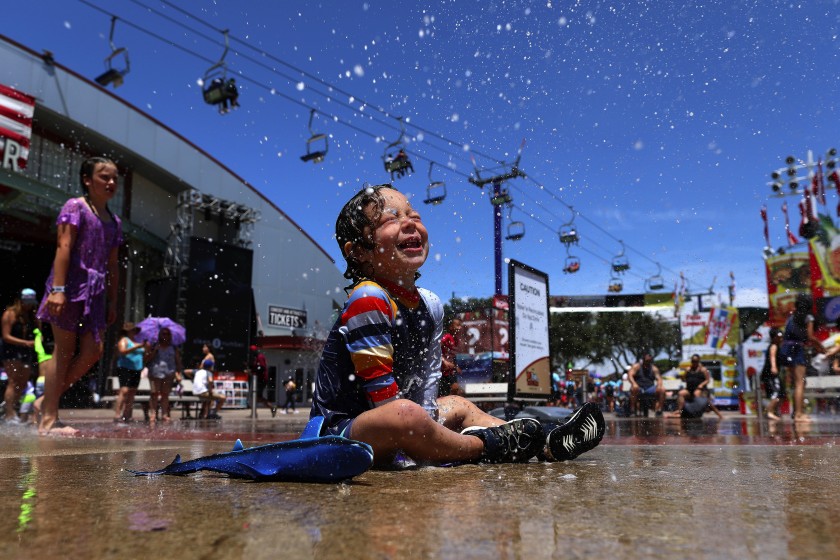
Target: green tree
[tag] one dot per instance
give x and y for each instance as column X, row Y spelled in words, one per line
column 572, row 338
column 593, row 338
column 456, row 306
column 631, row 335
column 618, row 338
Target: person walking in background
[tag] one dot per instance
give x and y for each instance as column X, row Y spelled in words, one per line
column 164, row 371
column 129, row 365
column 799, row 333
column 291, row 388
column 81, row 298
column 259, row 368
column 774, row 386
column 449, row 369
column 19, row 326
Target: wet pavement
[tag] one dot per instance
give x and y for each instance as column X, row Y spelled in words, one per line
column 654, row 488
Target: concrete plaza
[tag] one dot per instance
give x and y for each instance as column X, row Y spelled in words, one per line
column 654, row 488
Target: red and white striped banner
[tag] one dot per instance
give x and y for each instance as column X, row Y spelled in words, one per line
column 16, row 110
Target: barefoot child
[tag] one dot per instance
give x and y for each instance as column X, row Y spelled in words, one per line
column 378, row 377
column 81, row 295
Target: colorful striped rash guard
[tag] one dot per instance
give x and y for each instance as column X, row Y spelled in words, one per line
column 384, row 346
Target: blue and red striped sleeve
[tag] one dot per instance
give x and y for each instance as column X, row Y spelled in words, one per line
column 367, row 320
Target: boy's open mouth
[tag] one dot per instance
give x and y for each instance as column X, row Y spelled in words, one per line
column 413, row 243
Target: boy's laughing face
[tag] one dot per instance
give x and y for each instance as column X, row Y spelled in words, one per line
column 401, row 242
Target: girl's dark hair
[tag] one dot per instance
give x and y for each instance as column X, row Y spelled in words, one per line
column 354, row 225
column 803, row 307
column 87, row 167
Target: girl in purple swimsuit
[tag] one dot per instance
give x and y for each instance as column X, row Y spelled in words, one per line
column 85, row 272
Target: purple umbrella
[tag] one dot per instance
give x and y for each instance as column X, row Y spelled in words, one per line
column 150, row 328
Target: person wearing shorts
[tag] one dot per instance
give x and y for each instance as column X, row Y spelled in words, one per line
column 129, row 366
column 203, row 389
column 645, row 380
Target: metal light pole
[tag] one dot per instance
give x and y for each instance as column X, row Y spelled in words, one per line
column 791, row 177
column 497, row 238
column 498, row 199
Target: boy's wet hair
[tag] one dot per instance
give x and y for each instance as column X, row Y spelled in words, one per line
column 87, row 168
column 354, row 225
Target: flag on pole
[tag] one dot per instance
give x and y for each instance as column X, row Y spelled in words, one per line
column 819, row 184
column 16, row 111
column 792, row 240
column 834, row 177
column 731, row 288
column 766, row 226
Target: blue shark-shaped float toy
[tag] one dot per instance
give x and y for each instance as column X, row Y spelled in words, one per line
column 310, row 458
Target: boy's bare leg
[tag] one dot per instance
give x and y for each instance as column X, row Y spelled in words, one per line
column 457, row 413
column 683, row 393
column 404, row 425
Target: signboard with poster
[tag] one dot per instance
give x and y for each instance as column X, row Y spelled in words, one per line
column 16, row 112
column 788, row 275
column 713, row 334
column 482, row 347
column 530, row 356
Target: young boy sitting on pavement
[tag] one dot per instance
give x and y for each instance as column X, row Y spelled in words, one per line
column 378, row 376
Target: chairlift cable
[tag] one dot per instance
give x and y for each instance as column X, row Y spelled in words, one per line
column 293, row 80
column 343, row 121
column 316, row 78
column 598, row 226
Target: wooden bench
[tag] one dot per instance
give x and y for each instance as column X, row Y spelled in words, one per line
column 671, row 385
column 822, row 388
column 184, row 396
column 486, row 392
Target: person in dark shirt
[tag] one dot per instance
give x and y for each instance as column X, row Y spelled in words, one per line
column 265, row 390
column 646, row 380
column 799, row 333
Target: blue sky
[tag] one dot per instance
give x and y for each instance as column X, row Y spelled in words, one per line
column 658, row 122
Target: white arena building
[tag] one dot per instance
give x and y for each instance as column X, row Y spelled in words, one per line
column 201, row 244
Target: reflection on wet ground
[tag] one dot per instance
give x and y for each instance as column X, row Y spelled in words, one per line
column 655, row 488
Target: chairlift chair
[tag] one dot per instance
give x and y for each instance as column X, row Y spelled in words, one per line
column 515, row 228
column 569, row 236
column 656, row 282
column 114, row 76
column 501, row 198
column 515, row 231
column 568, row 232
column 398, row 162
column 436, row 191
column 620, row 264
column 314, row 142
column 616, row 285
column 217, row 88
column 571, row 265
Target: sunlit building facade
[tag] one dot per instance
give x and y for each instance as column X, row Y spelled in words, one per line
column 200, row 242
